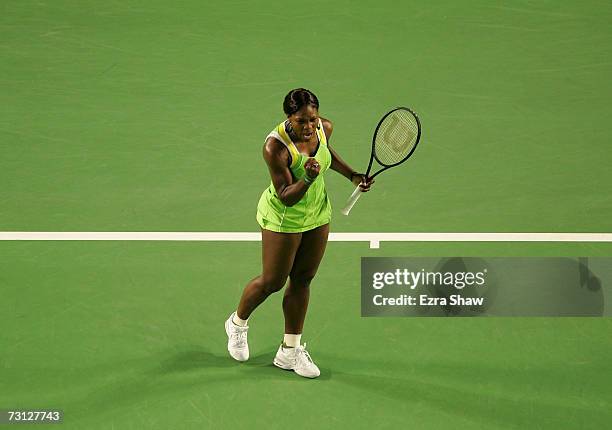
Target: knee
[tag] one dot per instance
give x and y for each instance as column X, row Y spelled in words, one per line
column 302, row 279
column 272, row 284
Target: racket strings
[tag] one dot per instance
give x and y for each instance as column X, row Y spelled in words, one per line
column 396, row 137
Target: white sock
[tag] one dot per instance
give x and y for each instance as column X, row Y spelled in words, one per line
column 238, row 321
column 292, row 340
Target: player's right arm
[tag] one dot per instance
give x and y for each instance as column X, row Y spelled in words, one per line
column 277, row 158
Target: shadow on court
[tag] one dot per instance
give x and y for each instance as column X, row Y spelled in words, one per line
column 198, row 359
column 193, row 359
column 118, row 387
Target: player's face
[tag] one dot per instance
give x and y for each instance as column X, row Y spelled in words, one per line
column 304, row 122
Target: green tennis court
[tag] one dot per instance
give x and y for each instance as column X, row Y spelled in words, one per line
column 150, row 116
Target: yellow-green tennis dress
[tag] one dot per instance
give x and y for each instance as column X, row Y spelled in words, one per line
column 314, row 209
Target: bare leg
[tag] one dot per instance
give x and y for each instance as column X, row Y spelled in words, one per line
column 307, row 259
column 278, row 254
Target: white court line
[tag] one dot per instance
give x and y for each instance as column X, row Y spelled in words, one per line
column 373, row 238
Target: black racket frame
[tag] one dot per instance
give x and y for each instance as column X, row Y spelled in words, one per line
column 373, row 154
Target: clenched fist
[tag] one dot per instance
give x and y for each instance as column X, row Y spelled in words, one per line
column 312, row 168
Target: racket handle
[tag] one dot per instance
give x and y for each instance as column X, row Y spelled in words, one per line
column 352, row 200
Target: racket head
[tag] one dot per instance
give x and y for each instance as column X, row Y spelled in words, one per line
column 395, row 138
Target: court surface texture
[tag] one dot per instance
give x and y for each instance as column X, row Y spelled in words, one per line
column 134, row 116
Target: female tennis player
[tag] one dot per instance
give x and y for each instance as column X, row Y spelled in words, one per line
column 294, row 214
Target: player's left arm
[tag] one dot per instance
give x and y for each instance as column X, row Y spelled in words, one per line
column 341, row 166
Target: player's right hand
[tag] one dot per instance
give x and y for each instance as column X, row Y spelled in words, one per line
column 312, row 168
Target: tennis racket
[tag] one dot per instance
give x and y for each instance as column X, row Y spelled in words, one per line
column 395, row 139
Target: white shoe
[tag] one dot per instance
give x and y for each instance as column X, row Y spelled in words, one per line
column 298, row 360
column 237, row 340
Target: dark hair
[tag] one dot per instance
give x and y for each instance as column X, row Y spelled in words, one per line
column 297, row 99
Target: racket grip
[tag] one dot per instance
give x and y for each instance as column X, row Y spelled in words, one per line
column 352, row 200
